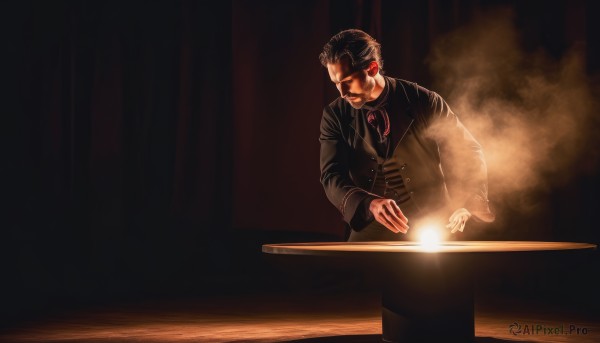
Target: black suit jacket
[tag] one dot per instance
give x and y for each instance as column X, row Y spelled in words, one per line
column 442, row 165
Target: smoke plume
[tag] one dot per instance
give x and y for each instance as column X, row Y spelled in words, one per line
column 533, row 114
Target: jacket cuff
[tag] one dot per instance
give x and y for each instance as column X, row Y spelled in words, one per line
column 480, row 209
column 363, row 216
column 354, row 198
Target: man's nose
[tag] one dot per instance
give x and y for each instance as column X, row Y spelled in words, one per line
column 343, row 89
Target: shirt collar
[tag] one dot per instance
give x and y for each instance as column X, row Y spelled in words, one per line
column 381, row 99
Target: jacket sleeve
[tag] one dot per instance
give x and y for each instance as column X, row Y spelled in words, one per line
column 461, row 159
column 341, row 191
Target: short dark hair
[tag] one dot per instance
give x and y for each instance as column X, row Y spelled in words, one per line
column 360, row 48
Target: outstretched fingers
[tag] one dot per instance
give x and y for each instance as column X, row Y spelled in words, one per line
column 399, row 213
column 398, row 219
column 387, row 212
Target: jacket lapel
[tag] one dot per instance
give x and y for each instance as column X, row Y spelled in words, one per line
column 404, row 119
column 404, row 122
column 401, row 121
column 401, row 124
column 362, row 133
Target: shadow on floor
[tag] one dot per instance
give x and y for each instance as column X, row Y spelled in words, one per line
column 340, row 339
column 377, row 339
column 497, row 340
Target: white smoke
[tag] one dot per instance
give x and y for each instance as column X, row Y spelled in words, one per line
column 535, row 116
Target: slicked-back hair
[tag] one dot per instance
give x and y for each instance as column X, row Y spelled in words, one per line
column 356, row 45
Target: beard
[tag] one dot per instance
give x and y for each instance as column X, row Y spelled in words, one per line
column 361, row 98
column 358, row 102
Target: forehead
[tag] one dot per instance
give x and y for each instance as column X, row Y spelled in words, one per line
column 339, row 70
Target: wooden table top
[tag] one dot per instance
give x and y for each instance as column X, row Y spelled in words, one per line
column 454, row 247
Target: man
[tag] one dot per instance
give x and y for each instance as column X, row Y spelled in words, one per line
column 393, row 154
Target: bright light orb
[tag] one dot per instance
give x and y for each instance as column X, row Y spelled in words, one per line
column 430, row 239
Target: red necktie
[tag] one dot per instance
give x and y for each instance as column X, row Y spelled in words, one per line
column 380, row 120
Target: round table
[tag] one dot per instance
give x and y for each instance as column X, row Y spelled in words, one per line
column 427, row 290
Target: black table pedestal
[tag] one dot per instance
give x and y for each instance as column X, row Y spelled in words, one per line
column 427, row 292
column 435, row 305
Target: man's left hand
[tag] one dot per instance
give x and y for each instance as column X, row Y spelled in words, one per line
column 458, row 219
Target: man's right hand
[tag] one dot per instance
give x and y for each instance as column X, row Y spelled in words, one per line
column 387, row 212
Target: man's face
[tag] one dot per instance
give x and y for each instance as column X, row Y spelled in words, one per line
column 355, row 86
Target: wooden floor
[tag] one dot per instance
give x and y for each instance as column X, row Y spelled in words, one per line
column 283, row 318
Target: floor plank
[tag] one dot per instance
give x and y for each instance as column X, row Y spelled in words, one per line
column 283, row 318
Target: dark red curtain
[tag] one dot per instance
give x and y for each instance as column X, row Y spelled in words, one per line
column 119, row 147
column 146, row 139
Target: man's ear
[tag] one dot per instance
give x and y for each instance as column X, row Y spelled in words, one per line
column 373, row 69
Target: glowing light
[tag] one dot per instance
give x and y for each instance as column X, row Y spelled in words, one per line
column 430, row 239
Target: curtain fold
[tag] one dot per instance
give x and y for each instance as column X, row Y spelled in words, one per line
column 143, row 137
